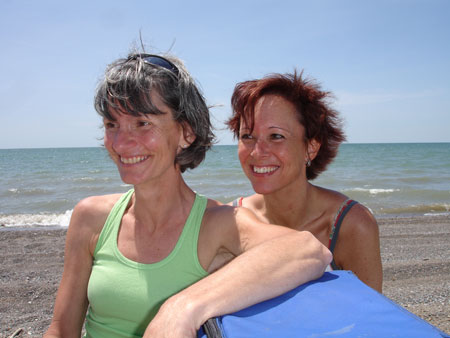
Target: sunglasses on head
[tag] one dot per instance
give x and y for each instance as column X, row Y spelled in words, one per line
column 156, row 60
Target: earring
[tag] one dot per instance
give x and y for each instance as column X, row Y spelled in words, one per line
column 308, row 163
column 184, row 146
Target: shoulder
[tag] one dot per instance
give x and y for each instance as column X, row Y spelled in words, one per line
column 218, row 218
column 238, row 228
column 360, row 221
column 215, row 232
column 255, row 203
column 95, row 208
column 359, row 236
column 357, row 215
column 358, row 247
column 226, row 215
column 225, row 226
column 88, row 218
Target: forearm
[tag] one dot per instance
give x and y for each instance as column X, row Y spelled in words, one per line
column 51, row 334
column 59, row 329
column 261, row 273
column 66, row 324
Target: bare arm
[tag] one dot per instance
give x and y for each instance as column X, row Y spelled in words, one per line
column 71, row 300
column 270, row 261
column 358, row 247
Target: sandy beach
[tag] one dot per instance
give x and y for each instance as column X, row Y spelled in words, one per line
column 415, row 253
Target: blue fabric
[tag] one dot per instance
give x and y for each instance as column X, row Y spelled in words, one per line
column 336, row 305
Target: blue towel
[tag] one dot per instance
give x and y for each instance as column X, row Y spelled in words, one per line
column 336, row 305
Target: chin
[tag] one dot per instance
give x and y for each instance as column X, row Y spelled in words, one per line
column 263, row 190
column 130, row 180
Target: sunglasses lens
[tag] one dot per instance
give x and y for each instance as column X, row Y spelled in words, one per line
column 160, row 61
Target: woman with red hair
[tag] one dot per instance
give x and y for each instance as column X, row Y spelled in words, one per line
column 287, row 135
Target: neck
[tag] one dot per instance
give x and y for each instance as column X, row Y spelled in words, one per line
column 291, row 206
column 164, row 202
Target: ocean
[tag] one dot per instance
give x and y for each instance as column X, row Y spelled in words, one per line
column 41, row 186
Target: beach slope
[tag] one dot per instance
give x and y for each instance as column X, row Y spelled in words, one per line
column 415, row 253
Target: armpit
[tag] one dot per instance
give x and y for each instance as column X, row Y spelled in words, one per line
column 222, row 258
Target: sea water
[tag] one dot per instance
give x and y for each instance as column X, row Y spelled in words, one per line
column 41, row 186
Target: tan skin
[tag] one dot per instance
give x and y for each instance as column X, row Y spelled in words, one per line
column 274, row 157
column 144, row 149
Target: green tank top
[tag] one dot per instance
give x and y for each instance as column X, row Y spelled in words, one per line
column 125, row 295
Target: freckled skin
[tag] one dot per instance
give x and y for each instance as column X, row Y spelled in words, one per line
column 152, row 137
column 276, row 142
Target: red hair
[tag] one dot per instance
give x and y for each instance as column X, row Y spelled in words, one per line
column 321, row 122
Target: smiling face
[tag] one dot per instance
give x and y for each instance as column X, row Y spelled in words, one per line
column 274, row 154
column 144, row 147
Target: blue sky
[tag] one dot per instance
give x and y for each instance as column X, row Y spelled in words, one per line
column 387, row 62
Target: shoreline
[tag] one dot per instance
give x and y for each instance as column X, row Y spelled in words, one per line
column 415, row 254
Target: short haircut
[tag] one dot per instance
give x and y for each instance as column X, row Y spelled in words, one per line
column 320, row 121
column 127, row 84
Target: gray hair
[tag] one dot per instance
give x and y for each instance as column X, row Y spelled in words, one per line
column 127, row 84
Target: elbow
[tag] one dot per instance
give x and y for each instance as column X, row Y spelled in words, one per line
column 316, row 253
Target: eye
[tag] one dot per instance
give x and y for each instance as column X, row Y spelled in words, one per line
column 143, row 123
column 246, row 136
column 109, row 124
column 276, row 136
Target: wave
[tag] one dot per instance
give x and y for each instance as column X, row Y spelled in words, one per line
column 372, row 191
column 28, row 191
column 36, row 219
column 424, row 209
column 97, row 179
column 84, row 179
column 438, row 214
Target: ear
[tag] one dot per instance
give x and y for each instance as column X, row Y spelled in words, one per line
column 187, row 136
column 313, row 148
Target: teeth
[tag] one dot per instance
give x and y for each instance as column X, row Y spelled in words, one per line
column 264, row 170
column 133, row 160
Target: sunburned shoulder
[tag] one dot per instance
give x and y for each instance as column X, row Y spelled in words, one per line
column 215, row 211
column 214, row 203
column 218, row 213
column 216, row 207
column 92, row 212
column 87, row 221
column 96, row 205
column 360, row 222
column 226, row 220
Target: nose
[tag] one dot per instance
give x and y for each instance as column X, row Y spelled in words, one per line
column 260, row 148
column 123, row 138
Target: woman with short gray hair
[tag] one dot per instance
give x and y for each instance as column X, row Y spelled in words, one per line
column 160, row 260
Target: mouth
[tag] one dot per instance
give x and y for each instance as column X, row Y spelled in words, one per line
column 264, row 170
column 133, row 159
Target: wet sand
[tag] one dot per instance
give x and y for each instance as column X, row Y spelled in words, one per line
column 415, row 253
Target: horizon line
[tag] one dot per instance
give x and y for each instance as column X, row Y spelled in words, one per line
column 228, row 144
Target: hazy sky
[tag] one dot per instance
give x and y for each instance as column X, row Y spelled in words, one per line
column 387, row 62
